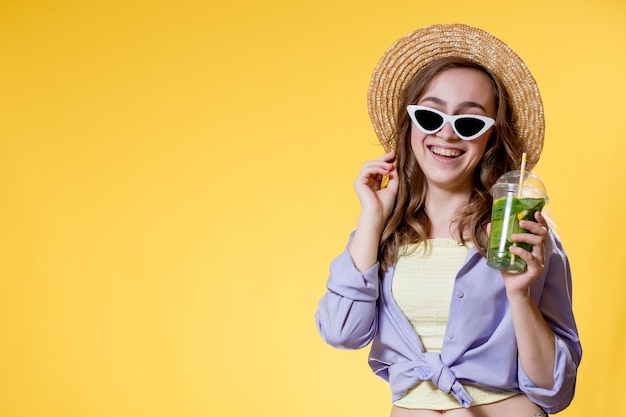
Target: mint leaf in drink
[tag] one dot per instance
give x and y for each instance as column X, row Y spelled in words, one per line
column 530, row 206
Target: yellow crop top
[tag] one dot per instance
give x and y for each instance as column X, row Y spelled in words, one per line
column 422, row 287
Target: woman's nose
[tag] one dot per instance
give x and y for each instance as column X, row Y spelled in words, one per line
column 447, row 132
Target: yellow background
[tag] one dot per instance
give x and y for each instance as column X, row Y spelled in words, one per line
column 176, row 176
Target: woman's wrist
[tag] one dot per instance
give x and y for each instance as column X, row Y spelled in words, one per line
column 364, row 246
column 518, row 295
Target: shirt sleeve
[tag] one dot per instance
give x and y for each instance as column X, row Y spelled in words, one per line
column 555, row 303
column 347, row 316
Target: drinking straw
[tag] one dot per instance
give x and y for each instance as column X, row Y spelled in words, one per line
column 522, row 172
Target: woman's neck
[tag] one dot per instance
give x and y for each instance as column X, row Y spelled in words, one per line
column 442, row 207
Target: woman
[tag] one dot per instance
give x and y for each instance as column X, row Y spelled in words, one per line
column 451, row 335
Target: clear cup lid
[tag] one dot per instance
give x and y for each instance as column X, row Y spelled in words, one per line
column 532, row 185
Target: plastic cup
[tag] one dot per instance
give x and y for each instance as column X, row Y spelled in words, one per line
column 510, row 205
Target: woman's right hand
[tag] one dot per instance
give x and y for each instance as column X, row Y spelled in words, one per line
column 377, row 202
column 376, row 205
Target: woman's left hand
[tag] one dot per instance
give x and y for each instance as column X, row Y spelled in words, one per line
column 519, row 284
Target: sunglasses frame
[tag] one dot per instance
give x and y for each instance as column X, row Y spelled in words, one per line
column 488, row 121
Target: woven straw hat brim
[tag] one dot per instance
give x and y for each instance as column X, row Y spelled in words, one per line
column 412, row 52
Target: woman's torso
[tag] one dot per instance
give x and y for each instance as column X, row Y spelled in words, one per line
column 422, row 285
column 517, row 406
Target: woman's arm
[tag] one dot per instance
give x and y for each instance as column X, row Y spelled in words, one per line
column 535, row 340
column 376, row 205
column 548, row 345
column 347, row 314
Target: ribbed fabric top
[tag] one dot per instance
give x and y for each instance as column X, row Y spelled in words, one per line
column 422, row 287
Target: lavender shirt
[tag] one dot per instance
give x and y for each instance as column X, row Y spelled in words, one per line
column 480, row 346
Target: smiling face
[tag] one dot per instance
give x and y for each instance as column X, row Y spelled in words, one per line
column 447, row 161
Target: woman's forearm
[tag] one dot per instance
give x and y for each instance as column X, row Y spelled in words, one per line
column 535, row 340
column 364, row 245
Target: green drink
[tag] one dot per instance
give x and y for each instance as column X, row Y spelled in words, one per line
column 511, row 204
column 505, row 218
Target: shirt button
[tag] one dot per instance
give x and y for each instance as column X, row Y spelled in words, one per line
column 460, row 294
column 450, row 335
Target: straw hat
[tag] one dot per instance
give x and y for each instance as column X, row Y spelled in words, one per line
column 412, row 52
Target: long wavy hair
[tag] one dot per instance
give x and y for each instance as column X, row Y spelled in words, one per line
column 408, row 222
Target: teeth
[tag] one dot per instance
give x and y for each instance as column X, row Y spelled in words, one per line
column 446, row 152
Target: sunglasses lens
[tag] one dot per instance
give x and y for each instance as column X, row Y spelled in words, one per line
column 429, row 120
column 469, row 126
